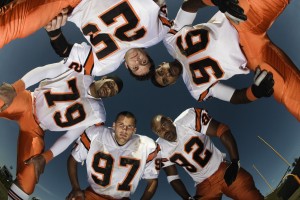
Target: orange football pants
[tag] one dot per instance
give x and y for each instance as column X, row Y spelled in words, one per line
column 91, row 195
column 243, row 188
column 260, row 51
column 21, row 18
column 30, row 140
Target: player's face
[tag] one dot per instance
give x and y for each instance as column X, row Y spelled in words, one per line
column 164, row 128
column 137, row 60
column 167, row 74
column 124, row 128
column 105, row 88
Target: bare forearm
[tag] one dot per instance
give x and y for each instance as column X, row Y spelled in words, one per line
column 150, row 189
column 230, row 144
column 180, row 188
column 72, row 172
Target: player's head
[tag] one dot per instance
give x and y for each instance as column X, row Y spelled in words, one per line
column 166, row 74
column 163, row 127
column 124, row 127
column 139, row 64
column 107, row 86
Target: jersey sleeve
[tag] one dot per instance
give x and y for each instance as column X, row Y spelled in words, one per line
column 150, row 171
column 81, row 58
column 220, row 91
column 194, row 118
column 83, row 143
column 163, row 155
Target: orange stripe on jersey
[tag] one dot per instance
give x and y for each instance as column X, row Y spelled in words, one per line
column 198, row 119
column 89, row 64
column 153, row 154
column 203, row 94
column 172, row 31
column 99, row 124
column 165, row 21
column 85, row 140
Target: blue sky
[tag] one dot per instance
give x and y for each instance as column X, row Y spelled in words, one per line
column 266, row 117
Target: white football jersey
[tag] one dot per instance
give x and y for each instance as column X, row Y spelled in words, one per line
column 208, row 52
column 114, row 26
column 193, row 149
column 112, row 169
column 63, row 103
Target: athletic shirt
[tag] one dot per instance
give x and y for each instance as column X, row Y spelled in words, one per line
column 63, row 103
column 112, row 169
column 193, row 150
column 208, row 52
column 114, row 26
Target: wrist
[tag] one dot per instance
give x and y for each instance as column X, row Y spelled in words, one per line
column 236, row 161
column 19, row 86
column 250, row 95
column 54, row 34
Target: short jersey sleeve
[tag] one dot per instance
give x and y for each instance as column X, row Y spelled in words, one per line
column 83, row 143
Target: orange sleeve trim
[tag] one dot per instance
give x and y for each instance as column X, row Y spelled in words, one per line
column 198, row 119
column 208, row 2
column 89, row 64
column 165, row 21
column 85, row 140
column 153, row 154
column 48, row 155
column 250, row 94
column 99, row 124
column 222, row 128
column 19, row 86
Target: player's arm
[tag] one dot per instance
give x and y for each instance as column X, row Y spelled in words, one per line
column 58, row 41
column 150, row 189
column 73, row 177
column 222, row 131
column 176, row 183
column 262, row 87
column 9, row 91
column 39, row 161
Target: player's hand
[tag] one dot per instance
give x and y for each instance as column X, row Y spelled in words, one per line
column 39, row 163
column 263, row 83
column 231, row 9
column 58, row 21
column 7, row 95
column 76, row 195
column 231, row 172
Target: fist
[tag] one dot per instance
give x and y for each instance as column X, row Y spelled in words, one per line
column 231, row 172
column 263, row 83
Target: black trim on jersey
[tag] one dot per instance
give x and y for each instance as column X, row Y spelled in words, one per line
column 88, row 66
column 13, row 195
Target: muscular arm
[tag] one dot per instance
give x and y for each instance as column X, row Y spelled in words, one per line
column 177, row 184
column 40, row 73
column 222, row 131
column 72, row 172
column 150, row 189
column 59, row 43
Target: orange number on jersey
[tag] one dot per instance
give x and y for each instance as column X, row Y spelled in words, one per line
column 126, row 32
column 103, row 164
column 74, row 113
column 195, row 41
column 196, row 147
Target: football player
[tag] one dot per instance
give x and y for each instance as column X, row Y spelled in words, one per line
column 112, row 27
column 116, row 159
column 204, row 56
column 186, row 142
column 66, row 100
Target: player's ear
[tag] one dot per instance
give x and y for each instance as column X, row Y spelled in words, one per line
column 114, row 126
column 125, row 63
